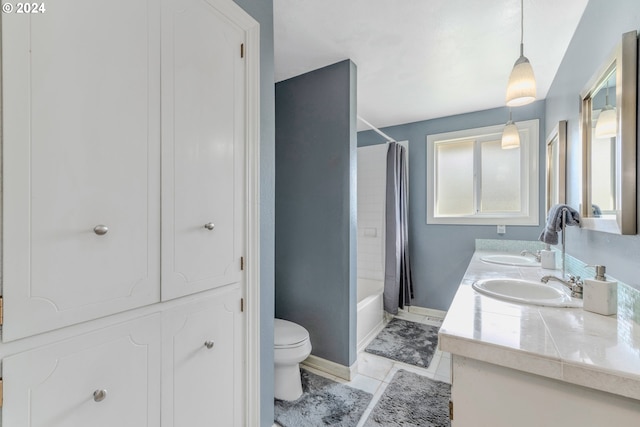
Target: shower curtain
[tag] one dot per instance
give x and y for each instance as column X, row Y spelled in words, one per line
column 398, row 286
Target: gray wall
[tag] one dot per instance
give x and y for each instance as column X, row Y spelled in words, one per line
column 262, row 11
column 315, row 208
column 599, row 31
column 440, row 253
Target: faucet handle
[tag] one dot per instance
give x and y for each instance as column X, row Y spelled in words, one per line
column 576, row 280
column 576, row 286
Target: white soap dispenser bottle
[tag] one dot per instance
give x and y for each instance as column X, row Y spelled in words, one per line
column 600, row 295
column 548, row 258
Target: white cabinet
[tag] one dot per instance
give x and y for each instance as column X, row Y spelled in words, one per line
column 81, row 149
column 203, row 166
column 54, row 386
column 203, row 363
column 484, row 394
column 123, row 125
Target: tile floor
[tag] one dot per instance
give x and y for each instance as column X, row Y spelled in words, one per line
column 375, row 372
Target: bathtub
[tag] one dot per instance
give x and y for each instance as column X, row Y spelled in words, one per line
column 370, row 317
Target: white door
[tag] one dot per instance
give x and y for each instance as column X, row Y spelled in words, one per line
column 81, row 162
column 203, row 143
column 102, row 379
column 202, row 382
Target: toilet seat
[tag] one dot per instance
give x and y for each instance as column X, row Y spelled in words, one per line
column 288, row 334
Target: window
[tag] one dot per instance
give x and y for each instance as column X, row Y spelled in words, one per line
column 472, row 180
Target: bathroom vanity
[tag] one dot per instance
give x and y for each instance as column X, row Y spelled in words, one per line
column 529, row 365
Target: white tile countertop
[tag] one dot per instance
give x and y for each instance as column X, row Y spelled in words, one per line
column 567, row 344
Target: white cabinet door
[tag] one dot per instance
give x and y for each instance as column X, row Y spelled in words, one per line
column 203, row 140
column 81, row 148
column 202, row 381
column 53, row 386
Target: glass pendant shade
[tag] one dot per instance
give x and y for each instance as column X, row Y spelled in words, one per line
column 607, row 124
column 510, row 136
column 521, row 89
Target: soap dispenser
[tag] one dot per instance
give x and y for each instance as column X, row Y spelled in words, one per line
column 599, row 294
column 548, row 258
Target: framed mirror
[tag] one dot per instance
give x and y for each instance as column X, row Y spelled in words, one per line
column 608, row 132
column 556, row 165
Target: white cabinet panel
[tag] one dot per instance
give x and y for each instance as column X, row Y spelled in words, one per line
column 202, row 362
column 203, row 129
column 81, row 148
column 53, row 386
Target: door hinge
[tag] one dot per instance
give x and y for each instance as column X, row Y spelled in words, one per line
column 451, row 410
column 241, row 263
column 241, row 50
column 1, row 311
column 1, row 392
column 242, row 304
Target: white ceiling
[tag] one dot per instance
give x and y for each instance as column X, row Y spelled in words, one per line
column 422, row 59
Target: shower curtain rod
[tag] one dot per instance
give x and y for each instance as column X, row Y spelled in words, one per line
column 376, row 130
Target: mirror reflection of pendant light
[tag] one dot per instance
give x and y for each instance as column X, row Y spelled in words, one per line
column 607, row 124
column 510, row 135
column 521, row 89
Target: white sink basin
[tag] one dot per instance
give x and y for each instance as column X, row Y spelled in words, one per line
column 515, row 260
column 527, row 292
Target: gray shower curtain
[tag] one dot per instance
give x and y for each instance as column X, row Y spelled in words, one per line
column 398, row 286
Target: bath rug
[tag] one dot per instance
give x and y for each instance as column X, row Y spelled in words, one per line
column 412, row 400
column 408, row 342
column 323, row 403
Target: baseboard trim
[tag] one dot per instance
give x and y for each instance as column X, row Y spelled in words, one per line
column 332, row 368
column 431, row 312
column 372, row 334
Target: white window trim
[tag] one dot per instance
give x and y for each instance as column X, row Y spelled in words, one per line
column 530, row 142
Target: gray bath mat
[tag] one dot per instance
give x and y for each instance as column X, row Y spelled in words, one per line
column 412, row 400
column 323, row 403
column 407, row 342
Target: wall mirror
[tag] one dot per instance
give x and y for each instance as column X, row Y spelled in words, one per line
column 608, row 131
column 556, row 165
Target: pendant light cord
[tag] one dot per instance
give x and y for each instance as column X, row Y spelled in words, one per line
column 521, row 27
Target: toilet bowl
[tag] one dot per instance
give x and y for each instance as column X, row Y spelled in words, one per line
column 291, row 346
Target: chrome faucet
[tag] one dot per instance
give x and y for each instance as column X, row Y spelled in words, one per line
column 574, row 284
column 536, row 255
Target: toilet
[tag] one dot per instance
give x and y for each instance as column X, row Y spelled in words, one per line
column 291, row 346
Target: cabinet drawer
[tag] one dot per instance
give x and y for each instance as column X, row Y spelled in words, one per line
column 106, row 378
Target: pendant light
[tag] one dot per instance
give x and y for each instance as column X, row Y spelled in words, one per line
column 521, row 89
column 607, row 124
column 510, row 135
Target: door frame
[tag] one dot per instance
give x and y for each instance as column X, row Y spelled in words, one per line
column 252, row 203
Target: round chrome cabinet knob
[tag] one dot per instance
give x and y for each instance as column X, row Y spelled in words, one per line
column 101, row 230
column 208, row 344
column 209, row 226
column 99, row 395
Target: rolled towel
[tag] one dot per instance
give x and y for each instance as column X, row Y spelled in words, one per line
column 554, row 223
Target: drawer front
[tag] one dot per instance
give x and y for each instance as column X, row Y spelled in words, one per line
column 106, row 378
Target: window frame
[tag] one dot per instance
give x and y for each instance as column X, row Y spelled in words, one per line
column 529, row 175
